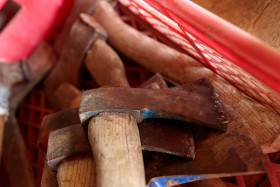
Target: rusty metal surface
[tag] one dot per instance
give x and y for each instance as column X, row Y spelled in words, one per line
column 67, row 142
column 155, row 82
column 167, row 136
column 67, row 69
column 40, row 62
column 194, row 102
column 159, row 135
column 17, row 72
column 167, row 132
column 234, row 152
column 10, row 76
column 72, row 141
column 94, row 24
column 56, row 121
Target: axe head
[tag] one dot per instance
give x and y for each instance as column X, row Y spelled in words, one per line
column 156, row 135
column 56, row 121
column 194, row 102
column 164, row 136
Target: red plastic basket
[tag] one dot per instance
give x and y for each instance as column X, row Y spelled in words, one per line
column 183, row 35
column 229, row 51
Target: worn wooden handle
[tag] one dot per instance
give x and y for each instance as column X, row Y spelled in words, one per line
column 105, row 65
column 144, row 50
column 2, row 123
column 115, row 141
column 77, row 172
column 48, row 177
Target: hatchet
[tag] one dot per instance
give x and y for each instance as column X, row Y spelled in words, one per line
column 116, row 112
column 168, row 134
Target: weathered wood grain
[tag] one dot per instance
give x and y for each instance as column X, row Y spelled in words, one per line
column 117, row 150
column 77, row 172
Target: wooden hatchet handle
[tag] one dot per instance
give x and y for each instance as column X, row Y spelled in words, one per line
column 117, row 150
column 48, row 177
column 78, row 171
column 114, row 137
column 102, row 57
column 105, row 65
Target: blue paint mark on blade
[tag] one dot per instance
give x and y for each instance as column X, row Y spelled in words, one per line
column 147, row 113
column 176, row 180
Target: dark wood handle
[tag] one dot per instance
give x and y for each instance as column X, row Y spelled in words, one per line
column 2, row 123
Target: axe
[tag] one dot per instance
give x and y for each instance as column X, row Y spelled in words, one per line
column 179, row 68
column 116, row 112
column 168, row 134
column 112, row 58
column 164, row 140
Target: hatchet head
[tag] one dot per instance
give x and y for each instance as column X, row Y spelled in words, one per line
column 164, row 136
column 68, row 117
column 168, row 132
column 56, row 121
column 194, row 102
column 10, row 76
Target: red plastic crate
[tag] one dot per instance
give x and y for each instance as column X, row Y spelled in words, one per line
column 35, row 107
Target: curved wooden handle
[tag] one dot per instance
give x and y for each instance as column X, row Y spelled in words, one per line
column 105, row 65
column 77, row 172
column 144, row 50
column 2, row 123
column 115, row 142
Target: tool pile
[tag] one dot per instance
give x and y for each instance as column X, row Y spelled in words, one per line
column 177, row 127
column 114, row 122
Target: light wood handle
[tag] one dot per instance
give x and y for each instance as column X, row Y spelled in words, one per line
column 115, row 141
column 77, row 172
column 2, row 123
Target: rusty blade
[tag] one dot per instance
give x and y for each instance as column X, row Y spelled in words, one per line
column 72, row 141
column 194, row 102
column 160, row 141
column 56, row 121
column 155, row 82
column 159, row 135
column 167, row 136
column 66, row 142
column 235, row 152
